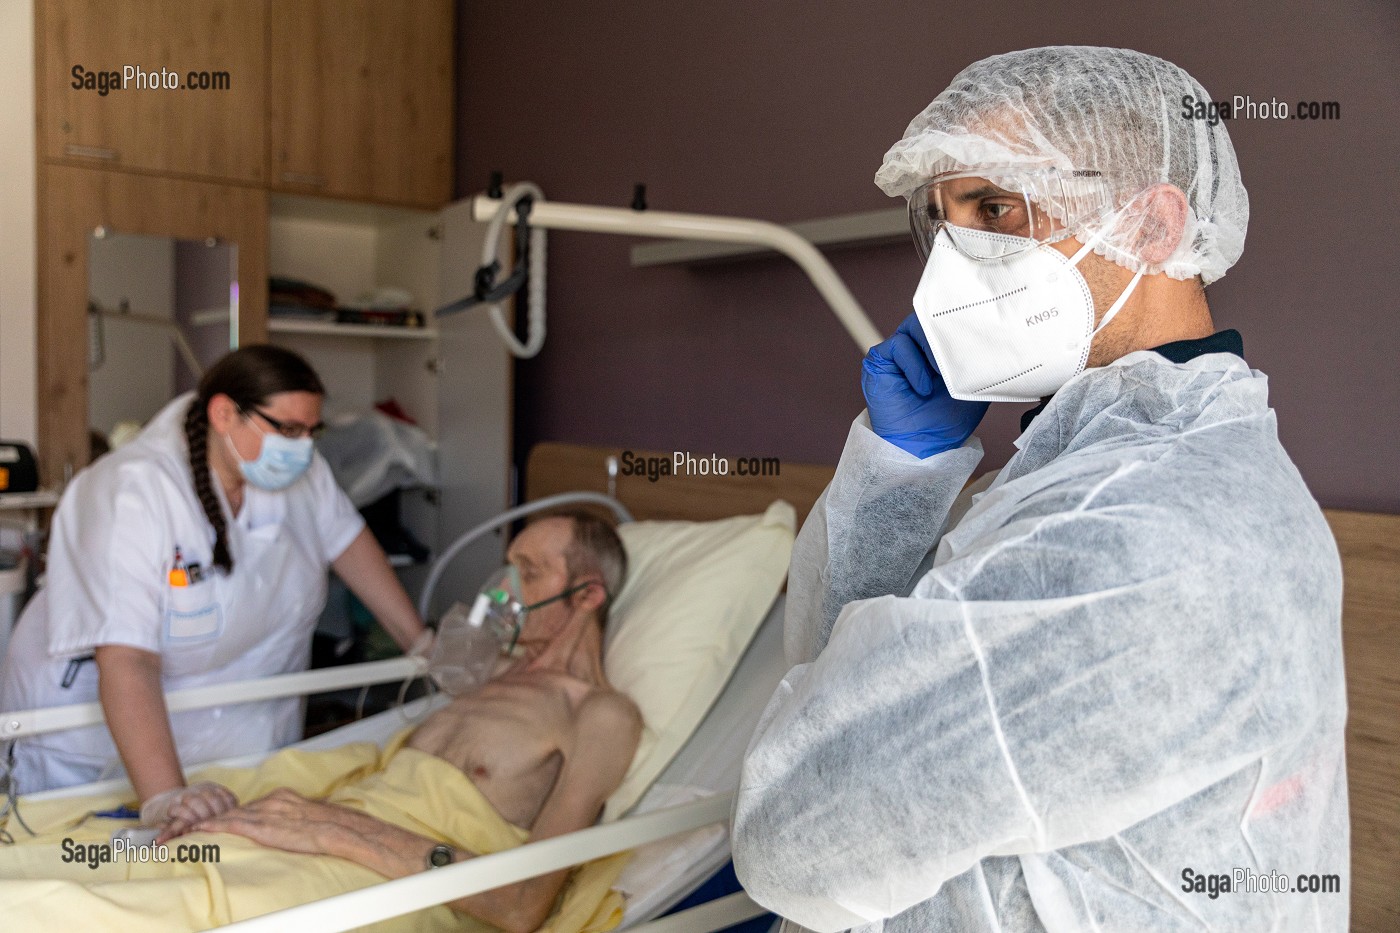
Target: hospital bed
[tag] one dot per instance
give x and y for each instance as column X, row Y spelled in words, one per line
column 678, row 829
column 708, row 766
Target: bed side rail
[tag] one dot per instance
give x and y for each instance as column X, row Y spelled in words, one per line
column 429, row 888
column 22, row 723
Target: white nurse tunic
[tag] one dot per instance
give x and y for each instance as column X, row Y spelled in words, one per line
column 123, row 525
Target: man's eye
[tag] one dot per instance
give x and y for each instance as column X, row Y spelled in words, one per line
column 995, row 210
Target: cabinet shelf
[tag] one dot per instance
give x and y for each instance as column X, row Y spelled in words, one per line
column 43, row 499
column 332, row 329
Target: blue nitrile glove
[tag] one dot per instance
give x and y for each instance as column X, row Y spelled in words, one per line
column 909, row 404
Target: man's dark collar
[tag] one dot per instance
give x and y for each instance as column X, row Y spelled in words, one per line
column 1178, row 351
column 1225, row 341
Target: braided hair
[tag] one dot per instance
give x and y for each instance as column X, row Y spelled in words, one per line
column 248, row 375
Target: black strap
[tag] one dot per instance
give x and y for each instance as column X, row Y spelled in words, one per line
column 70, row 673
column 485, row 289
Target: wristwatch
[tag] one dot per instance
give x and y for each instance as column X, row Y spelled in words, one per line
column 440, row 856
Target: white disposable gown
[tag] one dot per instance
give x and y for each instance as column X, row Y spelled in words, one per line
column 111, row 551
column 1121, row 665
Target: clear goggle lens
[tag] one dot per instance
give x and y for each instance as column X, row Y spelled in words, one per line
column 1033, row 207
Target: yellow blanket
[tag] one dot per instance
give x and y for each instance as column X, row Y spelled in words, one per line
column 40, row 890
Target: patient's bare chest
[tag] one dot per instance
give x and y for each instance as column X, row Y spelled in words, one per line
column 510, row 738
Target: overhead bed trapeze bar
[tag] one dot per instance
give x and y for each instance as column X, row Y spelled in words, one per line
column 552, row 215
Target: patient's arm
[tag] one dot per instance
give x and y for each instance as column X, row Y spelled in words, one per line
column 608, row 729
column 286, row 820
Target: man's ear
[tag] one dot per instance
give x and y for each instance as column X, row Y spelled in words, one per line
column 223, row 412
column 591, row 598
column 1163, row 211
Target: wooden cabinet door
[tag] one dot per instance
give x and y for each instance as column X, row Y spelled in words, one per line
column 98, row 60
column 361, row 99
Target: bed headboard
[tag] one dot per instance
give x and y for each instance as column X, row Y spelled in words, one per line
column 1370, row 548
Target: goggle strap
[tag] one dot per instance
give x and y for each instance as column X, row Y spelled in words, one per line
column 1105, row 225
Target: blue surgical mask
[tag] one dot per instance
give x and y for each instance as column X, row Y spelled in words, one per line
column 281, row 462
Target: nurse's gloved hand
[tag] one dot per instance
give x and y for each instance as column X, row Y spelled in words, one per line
column 422, row 648
column 175, row 811
column 909, row 404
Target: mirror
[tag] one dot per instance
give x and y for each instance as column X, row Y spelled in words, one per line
column 160, row 311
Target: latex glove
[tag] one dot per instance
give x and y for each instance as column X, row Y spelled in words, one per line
column 422, row 648
column 177, row 810
column 909, row 403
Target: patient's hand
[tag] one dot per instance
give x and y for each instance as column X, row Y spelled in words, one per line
column 286, row 820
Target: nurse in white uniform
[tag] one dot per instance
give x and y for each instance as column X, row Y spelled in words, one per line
column 194, row 555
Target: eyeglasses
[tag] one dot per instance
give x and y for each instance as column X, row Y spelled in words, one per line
column 287, row 429
column 1034, row 205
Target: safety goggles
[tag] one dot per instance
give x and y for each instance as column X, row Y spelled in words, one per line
column 1023, row 207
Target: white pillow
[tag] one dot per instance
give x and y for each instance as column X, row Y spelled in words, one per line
column 694, row 596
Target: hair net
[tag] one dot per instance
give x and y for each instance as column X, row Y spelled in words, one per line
column 1079, row 107
column 1123, row 661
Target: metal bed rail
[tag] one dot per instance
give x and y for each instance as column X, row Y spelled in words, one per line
column 427, row 889
column 22, row 723
column 430, row 888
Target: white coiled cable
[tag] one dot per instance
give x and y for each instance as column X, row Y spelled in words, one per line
column 535, row 329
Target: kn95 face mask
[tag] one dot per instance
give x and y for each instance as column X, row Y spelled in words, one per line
column 1006, row 323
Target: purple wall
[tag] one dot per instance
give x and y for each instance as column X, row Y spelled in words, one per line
column 782, row 110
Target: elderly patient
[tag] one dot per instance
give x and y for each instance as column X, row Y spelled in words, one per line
column 545, row 740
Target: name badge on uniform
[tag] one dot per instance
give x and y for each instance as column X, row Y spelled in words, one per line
column 194, row 625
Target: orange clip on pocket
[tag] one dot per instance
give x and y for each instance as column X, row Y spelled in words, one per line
column 178, row 575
